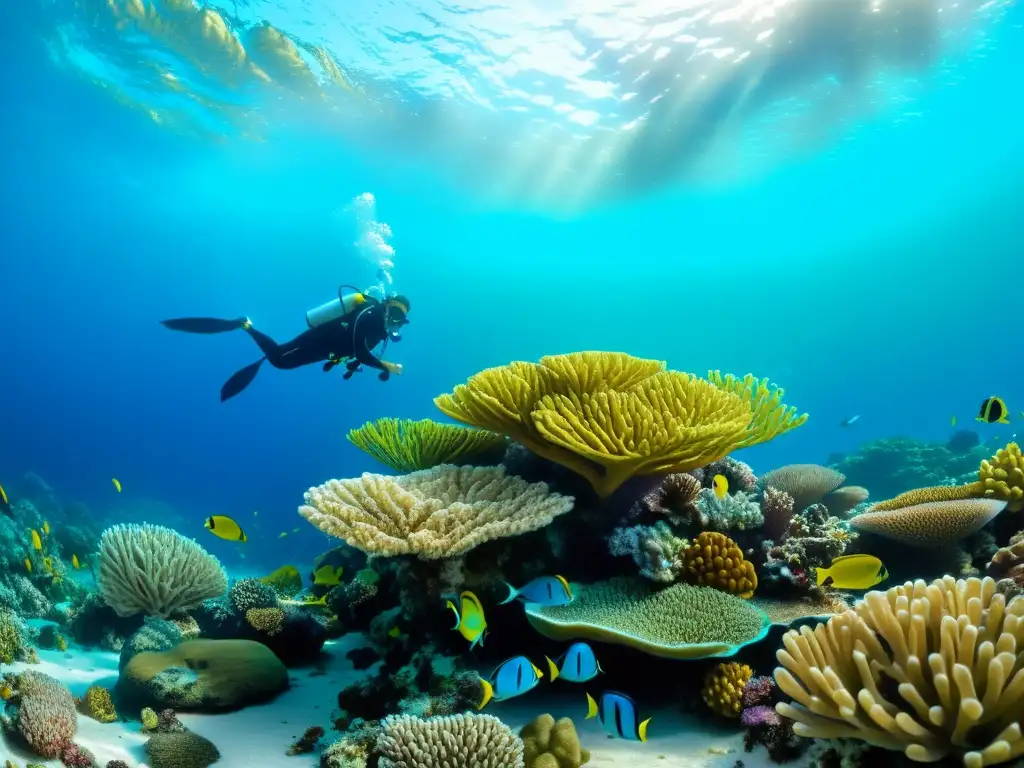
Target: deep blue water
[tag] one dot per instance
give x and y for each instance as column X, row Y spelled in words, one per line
column 877, row 275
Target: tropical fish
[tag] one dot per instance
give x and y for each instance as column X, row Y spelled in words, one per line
column 546, row 590
column 512, row 678
column 720, row 485
column 849, row 421
column 952, row 422
column 394, row 631
column 993, row 411
column 296, row 530
column 74, row 562
column 470, row 622
column 310, row 602
column 282, row 534
column 577, row 665
column 46, row 528
column 5, row 503
column 28, row 565
column 37, row 543
column 117, row 484
column 852, row 572
column 224, row 527
column 327, row 576
column 617, row 714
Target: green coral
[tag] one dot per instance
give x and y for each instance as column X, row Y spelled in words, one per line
column 408, row 446
column 680, row 622
column 11, row 643
column 180, row 750
column 149, row 719
column 97, row 704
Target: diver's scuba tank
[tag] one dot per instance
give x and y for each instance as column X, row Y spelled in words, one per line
column 336, row 308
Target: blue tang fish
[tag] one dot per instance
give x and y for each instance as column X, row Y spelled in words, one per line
column 546, row 590
column 578, row 664
column 470, row 622
column 617, row 714
column 512, row 678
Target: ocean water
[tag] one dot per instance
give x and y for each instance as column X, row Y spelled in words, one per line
column 827, row 193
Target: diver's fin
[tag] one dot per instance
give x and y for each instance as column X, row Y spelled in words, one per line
column 204, row 324
column 240, row 380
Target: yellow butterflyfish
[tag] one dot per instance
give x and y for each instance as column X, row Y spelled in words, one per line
column 46, row 528
column 74, row 562
column 117, row 483
column 28, row 565
column 37, row 543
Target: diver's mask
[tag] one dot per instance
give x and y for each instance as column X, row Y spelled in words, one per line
column 396, row 309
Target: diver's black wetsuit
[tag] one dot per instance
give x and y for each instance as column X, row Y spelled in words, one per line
column 348, row 340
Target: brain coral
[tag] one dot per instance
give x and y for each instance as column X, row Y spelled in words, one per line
column 550, row 744
column 151, row 569
column 714, row 560
column 680, row 622
column 929, row 524
column 455, row 741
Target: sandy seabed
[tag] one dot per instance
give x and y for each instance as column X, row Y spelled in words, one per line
column 258, row 736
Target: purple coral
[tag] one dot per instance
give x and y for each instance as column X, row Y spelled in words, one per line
column 757, row 716
column 75, row 756
column 760, row 691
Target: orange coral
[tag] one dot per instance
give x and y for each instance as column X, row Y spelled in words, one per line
column 714, row 560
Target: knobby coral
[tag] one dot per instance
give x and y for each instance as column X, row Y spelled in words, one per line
column 270, row 621
column 480, row 741
column 1002, row 477
column 409, row 446
column 609, row 416
column 933, row 670
column 152, row 569
column 714, row 560
column 437, row 513
column 723, row 688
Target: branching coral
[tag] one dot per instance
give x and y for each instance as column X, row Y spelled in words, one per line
column 714, row 560
column 656, row 551
column 736, row 512
column 151, row 569
column 723, row 688
column 813, row 540
column 932, row 670
column 437, row 513
column 409, row 446
column 480, row 741
column 609, row 416
column 1002, row 477
column 937, row 523
column 807, row 483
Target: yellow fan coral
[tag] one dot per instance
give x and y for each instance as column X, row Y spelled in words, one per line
column 932, row 670
column 934, row 523
column 408, row 446
column 714, row 560
column 1002, row 477
column 723, row 688
column 609, row 416
column 436, row 513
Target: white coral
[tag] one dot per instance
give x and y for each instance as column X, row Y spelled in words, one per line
column 739, row 511
column 155, row 570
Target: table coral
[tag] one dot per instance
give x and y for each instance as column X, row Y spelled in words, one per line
column 808, row 484
column 937, row 523
column 409, row 446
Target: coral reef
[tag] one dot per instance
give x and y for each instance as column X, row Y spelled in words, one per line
column 180, row 750
column 807, row 484
column 965, row 702
column 738, row 511
column 97, row 704
column 610, row 416
column 155, row 570
column 766, row 727
column 44, row 713
column 1007, row 566
column 740, row 475
column 551, row 744
column 474, row 740
column 286, row 581
column 723, row 688
column 714, row 560
column 436, row 513
column 656, row 551
column 674, row 497
column 937, row 523
column 679, row 622
column 267, row 620
column 249, row 594
column 777, row 508
column 154, row 635
column 409, row 446
column 1002, row 477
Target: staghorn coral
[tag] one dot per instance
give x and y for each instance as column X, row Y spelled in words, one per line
column 437, row 513
column 610, row 416
column 409, row 446
column 844, row 499
column 97, row 704
column 938, row 523
column 808, row 484
column 181, row 750
column 777, row 510
column 723, row 688
column 1002, row 477
column 932, row 670
column 714, row 560
column 470, row 740
column 551, row 744
column 736, row 512
column 675, row 498
column 656, row 551
column 678, row 622
column 155, row 570
column 45, row 715
column 270, row 621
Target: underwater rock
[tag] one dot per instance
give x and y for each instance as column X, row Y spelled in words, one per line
column 94, row 623
column 297, row 640
column 217, row 618
column 551, row 744
column 154, row 635
column 204, row 675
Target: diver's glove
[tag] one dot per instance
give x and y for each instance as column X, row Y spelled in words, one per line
column 394, row 368
column 383, row 375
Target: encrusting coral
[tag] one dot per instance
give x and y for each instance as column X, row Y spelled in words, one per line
column 609, row 416
column 808, row 484
column 155, row 570
column 436, row 513
column 551, row 744
column 723, row 688
column 714, row 560
column 1002, row 477
column 480, row 741
column 409, row 446
column 679, row 622
column 932, row 670
column 937, row 523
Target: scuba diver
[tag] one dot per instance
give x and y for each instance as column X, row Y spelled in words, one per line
column 343, row 330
